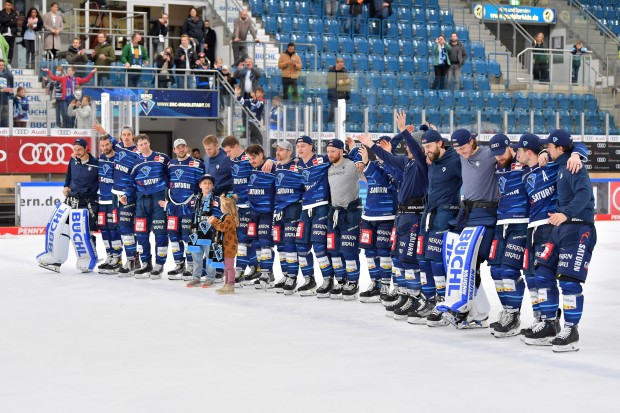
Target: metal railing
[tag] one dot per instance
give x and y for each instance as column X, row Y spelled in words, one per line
column 517, row 28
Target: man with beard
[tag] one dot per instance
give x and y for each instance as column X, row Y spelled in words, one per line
column 290, row 64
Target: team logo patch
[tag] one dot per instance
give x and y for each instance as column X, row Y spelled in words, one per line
column 121, row 155
column 235, row 169
column 306, row 175
column 318, row 160
column 178, row 173
column 276, row 233
column 106, row 168
column 300, row 230
column 547, row 252
column 279, row 179
column 159, row 159
column 173, row 223
column 251, row 229
column 366, row 236
column 584, row 237
column 194, row 164
column 331, row 241
column 114, row 216
column 204, row 227
column 252, row 179
column 526, row 259
column 531, row 180
column 101, row 219
column 145, row 170
column 294, row 168
column 493, row 251
column 502, row 184
column 140, row 225
column 420, row 247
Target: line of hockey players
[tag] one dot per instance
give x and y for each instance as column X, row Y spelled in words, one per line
column 431, row 218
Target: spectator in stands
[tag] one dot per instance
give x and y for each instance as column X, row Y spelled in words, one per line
column 82, row 111
column 134, row 57
column 355, row 15
column 20, row 108
column 224, row 92
column 338, row 86
column 8, row 27
column 69, row 84
column 275, row 114
column 331, row 7
column 76, row 56
column 4, row 48
column 457, row 56
column 164, row 62
column 185, row 60
column 32, row 25
column 256, row 105
column 441, row 62
column 103, row 55
column 210, row 42
column 196, row 154
column 248, row 76
column 54, row 89
column 578, row 50
column 194, row 27
column 158, row 32
column 6, row 89
column 242, row 26
column 290, row 64
column 54, row 25
column 379, row 9
column 201, row 72
column 541, row 59
column 219, row 63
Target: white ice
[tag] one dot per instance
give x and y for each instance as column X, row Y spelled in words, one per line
column 72, row 342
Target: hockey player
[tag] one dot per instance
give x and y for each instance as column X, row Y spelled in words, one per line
column 508, row 246
column 184, row 173
column 218, row 165
column 289, row 190
column 441, row 206
column 126, row 158
column 147, row 184
column 261, row 194
column 567, row 253
column 343, row 224
column 312, row 227
column 410, row 207
column 377, row 222
column 107, row 218
column 75, row 219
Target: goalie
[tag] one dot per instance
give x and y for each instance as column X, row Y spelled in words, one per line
column 73, row 220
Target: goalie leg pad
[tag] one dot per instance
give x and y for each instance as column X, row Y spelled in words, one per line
column 56, row 239
column 82, row 243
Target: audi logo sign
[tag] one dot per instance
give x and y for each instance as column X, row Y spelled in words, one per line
column 33, row 154
column 81, row 133
column 29, row 132
column 45, row 153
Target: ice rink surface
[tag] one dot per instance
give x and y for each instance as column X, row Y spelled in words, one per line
column 74, row 342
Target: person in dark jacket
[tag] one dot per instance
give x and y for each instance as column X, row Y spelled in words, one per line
column 82, row 181
column 210, row 42
column 541, row 59
column 33, row 22
column 224, row 93
column 248, row 76
column 194, row 28
column 76, row 56
column 355, row 15
column 158, row 32
column 457, row 55
column 379, row 9
column 218, row 165
column 8, row 27
column 338, row 86
column 185, row 60
column 164, row 62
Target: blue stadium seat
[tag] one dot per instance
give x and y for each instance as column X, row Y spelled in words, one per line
column 285, row 23
column 523, row 118
column 563, row 101
column 461, row 99
column 421, row 81
column 477, row 100
column 467, row 68
column 406, row 47
column 480, row 66
column 357, row 97
column 446, row 18
column 536, row 100
column 271, row 24
column 385, row 128
column 287, row 7
column 491, row 99
column 549, row 101
column 494, row 116
column 376, row 62
column 521, row 100
column 361, row 44
column 371, row 98
column 328, row 59
column 433, row 115
column 417, row 98
column 405, row 80
column 482, row 83
column 447, row 99
column 467, row 82
column 463, row 117
column 418, row 3
column 391, row 47
column 257, row 7
column 392, row 63
column 405, row 30
column 565, row 117
column 418, row 14
column 376, row 45
column 390, row 28
column 590, row 102
column 316, row 25
column 432, row 98
column 549, row 117
column 421, row 64
column 386, row 97
column 419, row 31
column 301, row 24
column 346, row 44
column 421, row 48
column 406, row 64
column 304, row 8
column 403, row 98
column 415, row 114
column 375, row 27
column 272, row 7
column 577, row 101
column 283, row 37
column 432, row 16
column 512, row 120
column 433, row 30
column 374, row 80
column 390, row 81
column 361, row 62
column 298, row 39
column 332, row 25
column 494, row 69
column 355, row 114
column 462, row 33
column 330, row 43
column 477, row 50
column 403, row 11
column 506, row 101
column 315, row 39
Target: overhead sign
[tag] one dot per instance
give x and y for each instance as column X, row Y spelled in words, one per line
column 520, row 14
column 163, row 103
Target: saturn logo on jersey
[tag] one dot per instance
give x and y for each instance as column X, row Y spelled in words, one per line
column 235, row 169
column 502, row 184
column 121, row 155
column 279, row 179
column 306, row 175
column 106, row 168
column 252, row 179
column 145, row 170
column 178, row 173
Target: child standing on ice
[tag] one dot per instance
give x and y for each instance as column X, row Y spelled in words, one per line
column 227, row 225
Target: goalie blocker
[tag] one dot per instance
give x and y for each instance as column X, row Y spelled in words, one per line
column 68, row 225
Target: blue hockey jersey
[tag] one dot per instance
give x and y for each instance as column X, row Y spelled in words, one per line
column 381, row 198
column 314, row 178
column 149, row 176
column 513, row 206
column 241, row 170
column 289, row 185
column 184, row 175
column 126, row 160
column 261, row 190
column 106, row 179
column 444, row 180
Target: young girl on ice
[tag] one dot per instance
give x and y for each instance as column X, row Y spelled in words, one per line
column 227, row 225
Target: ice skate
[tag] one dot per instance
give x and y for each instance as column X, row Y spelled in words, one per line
column 51, row 267
column 251, row 276
column 372, row 294
column 239, row 278
column 508, row 326
column 128, row 269
column 289, row 285
column 567, row 340
column 157, row 270
column 350, row 291
column 189, row 271
column 144, row 271
column 543, row 333
column 410, row 304
column 325, row 288
column 336, row 292
column 177, row 273
column 279, row 286
column 265, row 282
column 422, row 311
column 108, row 265
column 308, row 288
column 500, row 318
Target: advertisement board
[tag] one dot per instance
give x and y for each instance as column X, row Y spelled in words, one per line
column 35, row 201
column 521, row 14
column 163, row 103
column 35, row 154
